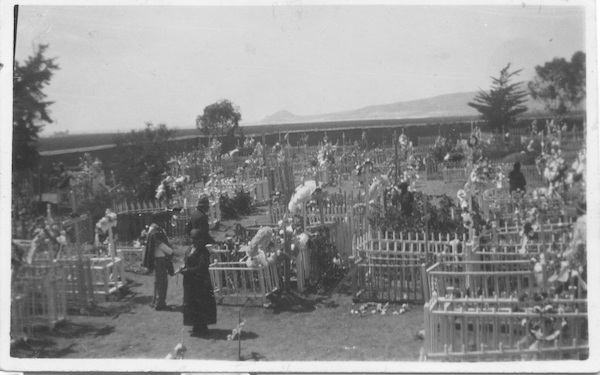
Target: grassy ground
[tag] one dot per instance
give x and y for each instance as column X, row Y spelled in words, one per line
column 314, row 328
column 302, row 328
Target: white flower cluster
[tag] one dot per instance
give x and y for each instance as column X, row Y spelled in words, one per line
column 484, row 172
column 109, row 220
column 44, row 237
column 170, row 186
column 213, row 150
column 302, row 194
column 326, row 155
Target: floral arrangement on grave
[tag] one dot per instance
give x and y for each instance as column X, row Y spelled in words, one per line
column 279, row 151
column 410, row 174
column 565, row 264
column 213, row 151
column 248, row 146
column 326, row 154
column 482, row 173
column 89, row 180
column 404, row 145
column 253, row 163
column 444, row 151
column 559, row 176
column 302, row 194
column 47, row 237
column 106, row 225
column 258, row 248
column 172, row 190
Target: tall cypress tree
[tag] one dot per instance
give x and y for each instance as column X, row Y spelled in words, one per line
column 30, row 110
column 503, row 103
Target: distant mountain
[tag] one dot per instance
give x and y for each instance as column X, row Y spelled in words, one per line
column 450, row 105
column 281, row 117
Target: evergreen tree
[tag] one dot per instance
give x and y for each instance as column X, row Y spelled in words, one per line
column 503, row 103
column 30, row 110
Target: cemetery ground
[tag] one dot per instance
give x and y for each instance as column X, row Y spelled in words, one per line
column 309, row 327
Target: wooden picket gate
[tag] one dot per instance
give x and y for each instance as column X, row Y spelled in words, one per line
column 236, row 283
column 492, row 329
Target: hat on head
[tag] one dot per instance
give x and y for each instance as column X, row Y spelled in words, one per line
column 203, row 202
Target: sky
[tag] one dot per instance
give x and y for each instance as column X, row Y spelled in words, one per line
column 123, row 66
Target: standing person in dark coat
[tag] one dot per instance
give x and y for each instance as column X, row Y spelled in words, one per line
column 407, row 199
column 158, row 257
column 516, row 179
column 199, row 306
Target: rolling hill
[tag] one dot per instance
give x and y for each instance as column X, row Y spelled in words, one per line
column 451, row 105
column 438, row 109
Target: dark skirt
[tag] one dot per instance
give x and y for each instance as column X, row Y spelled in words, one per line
column 199, row 306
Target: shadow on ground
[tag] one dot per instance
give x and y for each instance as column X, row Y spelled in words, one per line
column 43, row 340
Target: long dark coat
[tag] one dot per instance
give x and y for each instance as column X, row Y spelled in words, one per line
column 199, row 306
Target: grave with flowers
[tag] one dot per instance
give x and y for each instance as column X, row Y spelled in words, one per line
column 520, row 291
column 57, row 274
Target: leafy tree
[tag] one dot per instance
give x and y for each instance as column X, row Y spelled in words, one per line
column 560, row 84
column 221, row 120
column 503, row 103
column 30, row 110
column 145, row 154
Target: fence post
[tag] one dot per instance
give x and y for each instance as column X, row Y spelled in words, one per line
column 425, row 284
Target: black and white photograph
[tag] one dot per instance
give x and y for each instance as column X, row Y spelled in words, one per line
column 298, row 186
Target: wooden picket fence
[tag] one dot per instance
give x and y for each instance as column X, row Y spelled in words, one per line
column 492, row 329
column 480, row 278
column 454, row 175
column 459, row 174
column 428, row 140
column 391, row 266
column 132, row 217
column 132, row 257
column 501, row 206
column 37, row 298
column 236, row 283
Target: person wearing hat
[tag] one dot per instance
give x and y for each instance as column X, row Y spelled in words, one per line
column 158, row 257
column 199, row 305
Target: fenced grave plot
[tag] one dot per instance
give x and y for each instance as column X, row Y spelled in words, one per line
column 512, row 247
column 38, row 298
column 236, row 283
column 132, row 257
column 512, row 224
column 391, row 277
column 454, row 175
column 108, row 276
column 391, row 267
column 500, row 205
column 481, row 278
column 504, row 329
